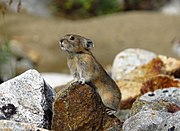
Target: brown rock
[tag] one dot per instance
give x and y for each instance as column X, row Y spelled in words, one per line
column 141, row 105
column 129, row 90
column 159, row 82
column 131, row 84
column 171, row 64
column 78, row 107
column 141, row 73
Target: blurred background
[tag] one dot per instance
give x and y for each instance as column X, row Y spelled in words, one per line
column 30, row 30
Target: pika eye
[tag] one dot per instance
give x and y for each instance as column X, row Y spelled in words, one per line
column 72, row 38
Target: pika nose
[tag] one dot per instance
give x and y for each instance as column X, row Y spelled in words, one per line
column 61, row 40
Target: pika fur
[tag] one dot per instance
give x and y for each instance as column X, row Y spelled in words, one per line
column 86, row 69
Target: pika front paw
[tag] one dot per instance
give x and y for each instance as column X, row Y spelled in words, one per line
column 82, row 81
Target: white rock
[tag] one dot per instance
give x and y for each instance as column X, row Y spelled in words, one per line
column 56, row 79
column 26, row 98
column 33, row 7
column 176, row 48
column 128, row 60
column 6, row 125
column 172, row 8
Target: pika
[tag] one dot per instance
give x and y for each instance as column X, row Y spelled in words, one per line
column 86, row 69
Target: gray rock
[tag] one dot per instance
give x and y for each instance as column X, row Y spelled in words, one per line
column 6, row 125
column 128, row 60
column 156, row 111
column 171, row 124
column 27, row 98
column 145, row 121
column 171, row 95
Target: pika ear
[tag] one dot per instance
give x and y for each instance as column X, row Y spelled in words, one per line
column 89, row 44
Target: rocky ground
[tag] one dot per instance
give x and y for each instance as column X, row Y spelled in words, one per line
column 150, row 99
column 111, row 34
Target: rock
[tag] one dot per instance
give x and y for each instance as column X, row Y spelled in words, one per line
column 167, row 100
column 34, row 7
column 141, row 105
column 146, row 71
column 131, row 84
column 79, row 107
column 158, row 110
column 6, row 125
column 129, row 90
column 172, row 8
column 145, row 121
column 128, row 60
column 172, row 66
column 171, row 124
column 159, row 82
column 171, row 95
column 7, row 65
column 17, row 59
column 26, row 57
column 27, row 98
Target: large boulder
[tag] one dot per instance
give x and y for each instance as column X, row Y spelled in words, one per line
column 157, row 111
column 27, row 98
column 128, row 60
column 79, row 107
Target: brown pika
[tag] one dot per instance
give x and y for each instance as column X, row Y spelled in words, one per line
column 86, row 69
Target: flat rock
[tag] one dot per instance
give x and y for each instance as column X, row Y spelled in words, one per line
column 79, row 107
column 6, row 125
column 128, row 60
column 27, row 98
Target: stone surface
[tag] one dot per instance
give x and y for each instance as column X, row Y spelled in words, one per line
column 170, row 63
column 79, row 107
column 129, row 90
column 145, row 121
column 155, row 111
column 128, row 60
column 27, row 98
column 141, row 105
column 171, row 124
column 171, row 95
column 6, row 125
column 172, row 66
column 131, row 84
column 18, row 59
column 146, row 71
column 159, row 82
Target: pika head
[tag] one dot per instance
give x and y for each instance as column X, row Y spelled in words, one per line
column 75, row 43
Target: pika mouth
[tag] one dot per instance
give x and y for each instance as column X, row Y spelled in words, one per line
column 61, row 43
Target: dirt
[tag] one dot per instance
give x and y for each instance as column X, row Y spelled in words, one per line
column 111, row 34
